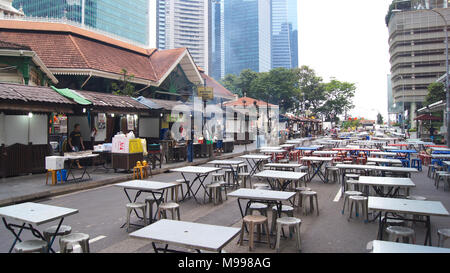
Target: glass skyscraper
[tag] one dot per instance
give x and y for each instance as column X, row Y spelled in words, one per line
column 247, row 35
column 126, row 19
column 284, row 34
column 217, row 41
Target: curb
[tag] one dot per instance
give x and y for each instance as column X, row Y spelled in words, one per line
column 96, row 184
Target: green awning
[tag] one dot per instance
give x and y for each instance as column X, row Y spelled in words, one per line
column 68, row 93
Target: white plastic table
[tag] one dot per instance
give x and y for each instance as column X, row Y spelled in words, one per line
column 392, row 183
column 384, row 161
column 392, row 247
column 283, row 166
column 317, row 163
column 396, row 207
column 186, row 235
column 255, row 161
column 32, row 215
column 153, row 187
column 201, row 173
column 282, row 178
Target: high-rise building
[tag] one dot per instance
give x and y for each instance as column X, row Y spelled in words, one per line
column 122, row 18
column 247, row 35
column 184, row 23
column 417, row 50
column 284, row 34
column 216, row 39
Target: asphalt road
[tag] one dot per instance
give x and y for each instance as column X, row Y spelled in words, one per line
column 102, row 212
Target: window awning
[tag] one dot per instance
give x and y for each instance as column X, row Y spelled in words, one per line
column 68, row 93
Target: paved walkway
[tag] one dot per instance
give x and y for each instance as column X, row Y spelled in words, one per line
column 31, row 187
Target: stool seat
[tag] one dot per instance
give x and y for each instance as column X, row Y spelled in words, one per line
column 258, row 206
column 308, row 193
column 416, row 197
column 135, row 205
column 302, row 189
column 289, row 221
column 213, row 185
column 333, row 169
column 75, row 238
column 63, row 230
column 169, row 205
column 284, row 208
column 352, row 175
column 358, row 197
column 353, row 193
column 243, row 174
column 256, row 219
column 393, row 222
column 31, row 246
column 66, row 242
column 399, row 230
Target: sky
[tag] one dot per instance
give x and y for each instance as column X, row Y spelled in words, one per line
column 348, row 40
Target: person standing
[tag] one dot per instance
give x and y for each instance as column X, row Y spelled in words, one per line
column 76, row 141
column 432, row 133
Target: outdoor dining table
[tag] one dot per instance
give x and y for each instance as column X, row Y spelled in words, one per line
column 72, row 159
column 440, row 149
column 269, row 197
column 398, row 207
column 201, row 173
column 393, row 247
column 325, row 152
column 394, row 184
column 356, row 151
column 186, row 235
column 386, row 154
column 283, row 166
column 156, row 189
column 32, row 215
column 282, row 178
column 255, row 162
column 447, row 163
column 317, row 163
column 229, row 164
column 384, row 161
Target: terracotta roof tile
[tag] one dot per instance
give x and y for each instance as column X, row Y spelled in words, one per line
column 219, row 90
column 110, row 100
column 6, row 45
column 26, row 93
column 248, row 101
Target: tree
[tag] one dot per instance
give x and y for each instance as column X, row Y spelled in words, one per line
column 338, row 99
column 124, row 87
column 379, row 119
column 436, row 92
column 231, row 82
column 312, row 89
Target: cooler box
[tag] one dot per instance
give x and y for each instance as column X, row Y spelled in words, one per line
column 135, row 146
column 54, row 162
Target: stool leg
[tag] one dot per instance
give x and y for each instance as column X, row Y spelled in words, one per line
column 251, row 233
column 241, row 236
column 277, row 244
column 128, row 218
column 266, row 224
column 317, row 205
column 85, row 246
column 144, row 212
column 178, row 214
column 299, row 242
column 258, row 231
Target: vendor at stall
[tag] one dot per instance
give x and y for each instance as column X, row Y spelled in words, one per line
column 76, row 141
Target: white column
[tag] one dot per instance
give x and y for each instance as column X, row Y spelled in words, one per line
column 412, row 114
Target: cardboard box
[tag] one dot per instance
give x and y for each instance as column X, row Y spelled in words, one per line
column 54, row 162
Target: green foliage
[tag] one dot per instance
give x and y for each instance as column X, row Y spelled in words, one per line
column 436, row 92
column 379, row 119
column 124, row 87
column 338, row 99
column 351, row 123
column 412, row 130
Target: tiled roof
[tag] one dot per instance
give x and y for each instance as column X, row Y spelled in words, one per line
column 219, row 90
column 6, row 45
column 31, row 94
column 248, row 101
column 62, row 46
column 110, row 100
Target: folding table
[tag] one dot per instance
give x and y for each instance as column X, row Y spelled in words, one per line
column 317, row 163
column 230, row 164
column 393, row 247
column 282, row 178
column 72, row 159
column 392, row 183
column 283, row 166
column 397, row 207
column 384, row 161
column 201, row 173
column 32, row 215
column 153, row 187
column 187, row 235
column 255, row 161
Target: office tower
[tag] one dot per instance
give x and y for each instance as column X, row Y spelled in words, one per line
column 184, row 23
column 417, row 50
column 284, row 34
column 122, row 18
column 247, row 35
column 216, row 40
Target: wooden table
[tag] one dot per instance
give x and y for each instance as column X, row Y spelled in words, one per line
column 282, row 178
column 201, row 173
column 32, row 215
column 392, row 247
column 186, row 235
column 153, row 187
column 396, row 207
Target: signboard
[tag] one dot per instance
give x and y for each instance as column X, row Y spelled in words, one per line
column 205, row 92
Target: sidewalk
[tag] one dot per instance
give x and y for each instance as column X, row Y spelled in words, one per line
column 31, row 187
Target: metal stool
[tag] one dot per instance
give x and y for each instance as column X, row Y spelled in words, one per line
column 50, row 232
column 258, row 221
column 132, row 206
column 398, row 232
column 149, row 201
column 334, row 174
column 174, row 191
column 445, row 234
column 260, row 207
column 357, row 201
column 66, row 242
column 445, row 176
column 216, row 177
column 305, row 169
column 352, row 185
column 285, row 209
column 311, row 195
column 172, row 207
column 244, row 177
column 215, row 193
column 298, row 190
column 290, row 222
column 347, row 194
column 31, row 246
column 416, row 163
